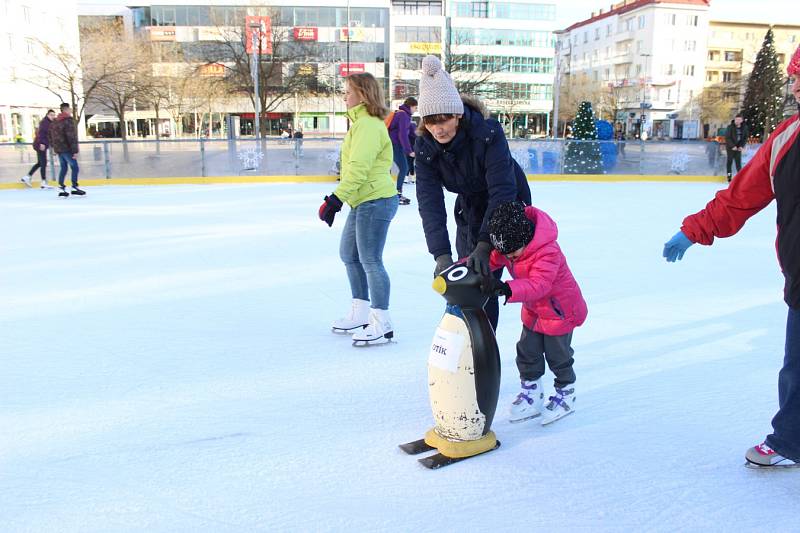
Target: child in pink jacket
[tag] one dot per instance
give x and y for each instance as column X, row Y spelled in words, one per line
column 524, row 240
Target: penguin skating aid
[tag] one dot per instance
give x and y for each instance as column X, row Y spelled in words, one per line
column 463, row 374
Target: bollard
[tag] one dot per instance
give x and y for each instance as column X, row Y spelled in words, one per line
column 202, row 157
column 106, row 161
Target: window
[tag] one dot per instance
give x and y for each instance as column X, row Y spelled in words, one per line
column 606, row 74
column 418, row 34
column 690, row 46
column 641, row 21
column 409, row 61
column 713, row 55
column 585, row 37
column 608, row 52
column 608, row 30
column 30, row 47
column 688, row 70
column 730, row 77
column 417, row 7
column 26, row 14
column 639, row 46
column 595, row 76
column 712, row 75
column 495, row 37
column 692, row 20
column 597, row 34
column 638, row 69
column 671, row 18
column 669, row 70
column 733, row 55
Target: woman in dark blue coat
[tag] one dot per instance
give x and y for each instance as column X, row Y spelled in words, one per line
column 461, row 150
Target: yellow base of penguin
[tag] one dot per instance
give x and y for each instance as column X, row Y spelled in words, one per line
column 462, row 448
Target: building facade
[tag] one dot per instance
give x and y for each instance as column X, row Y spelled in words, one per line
column 731, row 53
column 29, row 85
column 500, row 51
column 642, row 63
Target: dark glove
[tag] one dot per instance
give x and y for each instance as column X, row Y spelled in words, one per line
column 676, row 247
column 329, row 208
column 495, row 286
column 442, row 263
column 478, row 260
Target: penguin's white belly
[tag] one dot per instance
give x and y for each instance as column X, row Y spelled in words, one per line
column 451, row 382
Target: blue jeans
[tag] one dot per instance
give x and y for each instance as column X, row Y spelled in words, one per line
column 401, row 160
column 785, row 438
column 64, row 159
column 361, row 250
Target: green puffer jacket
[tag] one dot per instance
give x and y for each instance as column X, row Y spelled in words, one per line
column 366, row 160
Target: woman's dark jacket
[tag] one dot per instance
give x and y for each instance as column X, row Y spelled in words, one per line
column 477, row 165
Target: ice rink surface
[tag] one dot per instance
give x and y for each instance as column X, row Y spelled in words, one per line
column 166, row 364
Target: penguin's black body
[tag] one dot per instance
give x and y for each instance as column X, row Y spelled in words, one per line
column 463, row 368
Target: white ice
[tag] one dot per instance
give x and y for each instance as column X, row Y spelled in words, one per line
column 166, row 364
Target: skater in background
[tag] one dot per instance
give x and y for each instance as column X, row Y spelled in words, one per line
column 367, row 186
column 41, row 143
column 772, row 173
column 712, row 153
column 298, row 142
column 461, row 150
column 524, row 240
column 63, row 134
column 735, row 141
column 401, row 132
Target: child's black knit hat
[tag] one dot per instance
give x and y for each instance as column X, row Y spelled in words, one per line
column 509, row 228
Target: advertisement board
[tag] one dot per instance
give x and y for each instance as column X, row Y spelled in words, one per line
column 261, row 34
column 345, row 69
column 306, row 34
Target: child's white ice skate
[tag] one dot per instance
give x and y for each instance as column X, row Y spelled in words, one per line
column 560, row 405
column 528, row 403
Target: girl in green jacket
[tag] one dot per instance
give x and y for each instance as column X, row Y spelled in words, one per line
column 367, row 187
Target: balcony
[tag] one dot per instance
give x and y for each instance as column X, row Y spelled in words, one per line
column 622, row 36
column 622, row 58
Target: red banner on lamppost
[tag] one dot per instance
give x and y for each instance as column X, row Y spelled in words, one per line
column 258, row 35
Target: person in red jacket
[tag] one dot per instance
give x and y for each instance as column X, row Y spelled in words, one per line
column 524, row 240
column 772, row 173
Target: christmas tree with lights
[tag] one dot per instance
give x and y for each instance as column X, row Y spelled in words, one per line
column 583, row 157
column 763, row 99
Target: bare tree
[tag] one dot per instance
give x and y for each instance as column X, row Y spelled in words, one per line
column 64, row 72
column 279, row 77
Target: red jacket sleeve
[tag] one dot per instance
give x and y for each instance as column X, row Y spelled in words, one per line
column 749, row 192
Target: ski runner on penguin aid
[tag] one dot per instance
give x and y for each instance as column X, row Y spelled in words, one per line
column 460, row 149
column 367, row 187
column 771, row 174
column 524, row 240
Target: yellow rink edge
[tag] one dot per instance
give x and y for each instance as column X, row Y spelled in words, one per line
column 322, row 179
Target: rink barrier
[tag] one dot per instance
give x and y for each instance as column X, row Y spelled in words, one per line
column 331, row 179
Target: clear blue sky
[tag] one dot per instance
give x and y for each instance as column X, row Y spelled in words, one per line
column 769, row 11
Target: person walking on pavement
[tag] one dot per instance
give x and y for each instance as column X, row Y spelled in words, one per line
column 41, row 143
column 402, row 148
column 771, row 174
column 461, row 150
column 64, row 140
column 735, row 141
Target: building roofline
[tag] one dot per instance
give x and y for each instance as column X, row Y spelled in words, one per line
column 626, row 6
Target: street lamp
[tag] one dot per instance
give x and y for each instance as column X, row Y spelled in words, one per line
column 255, row 31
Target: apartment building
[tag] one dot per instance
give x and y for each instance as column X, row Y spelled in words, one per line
column 648, row 57
column 731, row 53
column 27, row 91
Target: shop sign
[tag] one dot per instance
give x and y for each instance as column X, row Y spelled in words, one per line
column 162, row 33
column 425, row 48
column 212, row 69
column 261, row 34
column 306, row 34
column 356, row 34
column 345, row 69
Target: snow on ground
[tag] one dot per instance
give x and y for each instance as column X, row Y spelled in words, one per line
column 167, row 365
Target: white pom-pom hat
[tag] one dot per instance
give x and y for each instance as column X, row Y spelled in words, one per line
column 437, row 92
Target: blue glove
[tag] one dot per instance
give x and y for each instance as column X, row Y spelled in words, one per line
column 676, row 247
